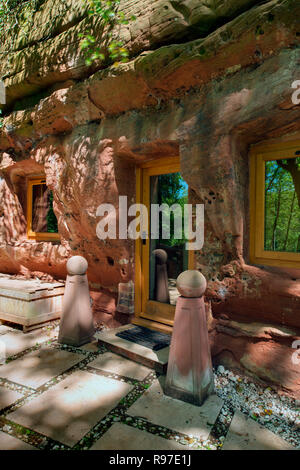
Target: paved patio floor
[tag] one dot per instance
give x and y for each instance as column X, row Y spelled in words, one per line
column 54, row 396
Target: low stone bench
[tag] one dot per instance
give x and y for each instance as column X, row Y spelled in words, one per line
column 30, row 303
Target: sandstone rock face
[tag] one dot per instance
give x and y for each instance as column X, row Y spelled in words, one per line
column 46, row 49
column 205, row 80
column 263, row 350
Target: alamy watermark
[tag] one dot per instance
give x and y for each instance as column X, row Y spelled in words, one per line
column 187, row 225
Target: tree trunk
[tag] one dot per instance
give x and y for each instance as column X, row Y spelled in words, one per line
column 292, row 167
column 277, row 215
column 289, row 222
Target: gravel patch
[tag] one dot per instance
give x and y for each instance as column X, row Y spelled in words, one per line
column 278, row 413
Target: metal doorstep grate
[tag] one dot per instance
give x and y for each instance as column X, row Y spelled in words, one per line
column 150, row 339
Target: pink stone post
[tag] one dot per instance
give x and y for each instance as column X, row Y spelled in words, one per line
column 76, row 325
column 189, row 374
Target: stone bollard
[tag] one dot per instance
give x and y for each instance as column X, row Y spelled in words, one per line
column 76, row 326
column 161, row 276
column 189, row 374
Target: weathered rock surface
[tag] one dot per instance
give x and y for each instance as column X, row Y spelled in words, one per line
column 46, row 49
column 206, row 87
column 263, row 350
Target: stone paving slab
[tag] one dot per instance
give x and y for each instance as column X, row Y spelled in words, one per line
column 182, row 417
column 36, row 368
column 16, row 341
column 245, row 434
column 90, row 347
column 5, row 329
column 68, row 410
column 123, row 437
column 8, row 442
column 111, row 362
column 157, row 360
column 8, row 397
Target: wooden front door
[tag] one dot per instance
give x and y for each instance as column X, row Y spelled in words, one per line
column 160, row 182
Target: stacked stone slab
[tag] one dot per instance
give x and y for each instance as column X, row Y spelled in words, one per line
column 30, row 302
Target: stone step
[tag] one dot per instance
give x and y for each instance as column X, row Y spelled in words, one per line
column 157, row 360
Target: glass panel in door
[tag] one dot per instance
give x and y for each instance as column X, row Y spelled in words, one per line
column 167, row 254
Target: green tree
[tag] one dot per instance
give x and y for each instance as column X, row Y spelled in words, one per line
column 172, row 189
column 51, row 217
column 282, row 208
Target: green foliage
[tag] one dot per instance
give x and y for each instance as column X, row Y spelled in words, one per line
column 15, row 12
column 282, row 211
column 172, row 189
column 6, row 9
column 145, row 386
column 51, row 217
column 109, row 49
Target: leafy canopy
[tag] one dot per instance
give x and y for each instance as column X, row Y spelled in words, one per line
column 107, row 48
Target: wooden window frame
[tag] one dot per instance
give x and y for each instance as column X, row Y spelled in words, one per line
column 258, row 156
column 31, row 235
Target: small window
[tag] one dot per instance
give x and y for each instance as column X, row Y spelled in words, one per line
column 41, row 220
column 275, row 205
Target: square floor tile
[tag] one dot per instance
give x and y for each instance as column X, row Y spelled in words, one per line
column 115, row 364
column 16, row 341
column 90, row 347
column 123, row 437
column 36, row 368
column 245, row 434
column 68, row 410
column 8, row 397
column 5, row 329
column 8, row 442
column 177, row 415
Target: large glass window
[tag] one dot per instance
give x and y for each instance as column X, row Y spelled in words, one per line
column 282, row 211
column 275, row 221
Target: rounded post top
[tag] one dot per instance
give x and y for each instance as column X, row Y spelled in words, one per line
column 161, row 256
column 191, row 283
column 77, row 265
